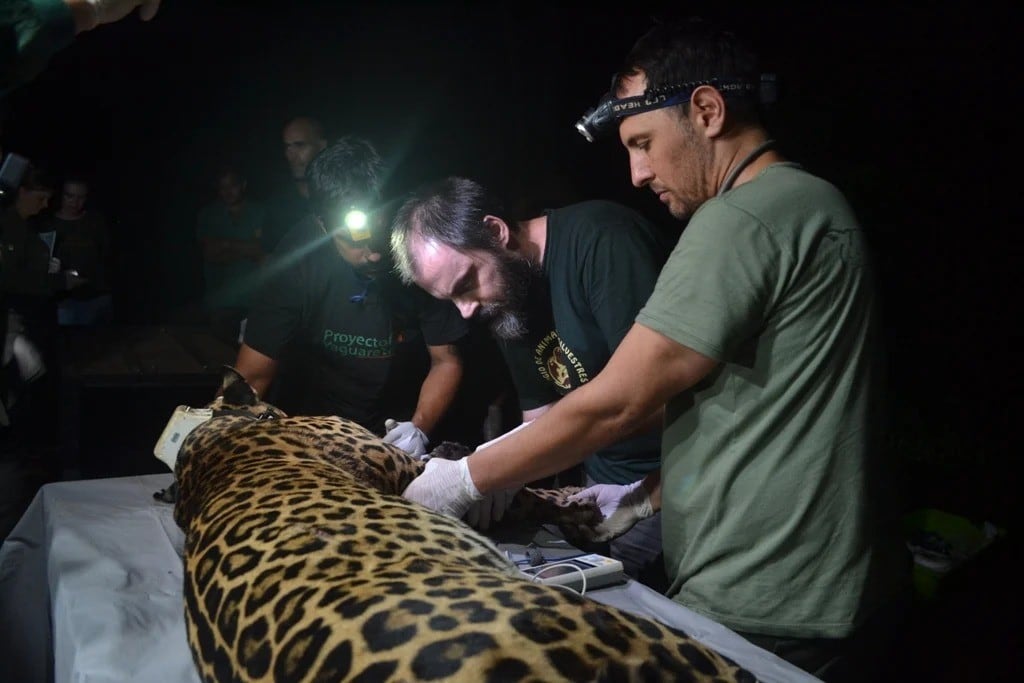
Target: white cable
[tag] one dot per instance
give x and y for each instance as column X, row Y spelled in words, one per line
column 583, row 589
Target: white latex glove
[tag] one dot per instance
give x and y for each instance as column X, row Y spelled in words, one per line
column 109, row 11
column 494, row 505
column 406, row 436
column 444, row 486
column 491, row 508
column 53, row 266
column 622, row 505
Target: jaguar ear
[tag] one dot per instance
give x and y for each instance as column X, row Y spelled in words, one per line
column 235, row 390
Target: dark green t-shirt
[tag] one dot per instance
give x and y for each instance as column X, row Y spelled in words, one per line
column 230, row 283
column 601, row 261
column 346, row 340
column 284, row 210
column 83, row 245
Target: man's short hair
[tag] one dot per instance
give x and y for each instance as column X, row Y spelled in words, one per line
column 347, row 172
column 38, row 177
column 449, row 211
column 673, row 53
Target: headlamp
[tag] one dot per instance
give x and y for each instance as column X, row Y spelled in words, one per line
column 354, row 224
column 358, row 225
column 605, row 117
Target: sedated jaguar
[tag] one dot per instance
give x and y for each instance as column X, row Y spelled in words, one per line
column 304, row 563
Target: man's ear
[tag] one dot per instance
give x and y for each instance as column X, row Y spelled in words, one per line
column 707, row 111
column 498, row 228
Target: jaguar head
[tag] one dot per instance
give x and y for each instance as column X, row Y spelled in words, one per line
column 237, row 396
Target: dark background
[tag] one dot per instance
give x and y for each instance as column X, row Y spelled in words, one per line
column 909, row 109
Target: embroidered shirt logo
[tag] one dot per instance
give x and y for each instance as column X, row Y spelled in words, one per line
column 557, row 364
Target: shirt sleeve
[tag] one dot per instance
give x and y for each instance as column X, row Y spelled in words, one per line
column 714, row 290
column 277, row 311
column 619, row 272
column 439, row 321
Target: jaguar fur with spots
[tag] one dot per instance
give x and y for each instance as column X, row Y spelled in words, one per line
column 304, row 563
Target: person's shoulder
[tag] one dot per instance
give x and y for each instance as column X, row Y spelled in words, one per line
column 283, row 198
column 257, row 206
column 96, row 220
column 48, row 222
column 305, row 241
column 210, row 212
column 606, row 211
column 599, row 221
column 786, row 187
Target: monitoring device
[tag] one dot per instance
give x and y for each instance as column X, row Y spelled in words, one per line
column 580, row 572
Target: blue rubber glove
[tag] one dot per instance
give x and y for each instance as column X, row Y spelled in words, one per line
column 622, row 505
column 406, row 436
column 445, row 486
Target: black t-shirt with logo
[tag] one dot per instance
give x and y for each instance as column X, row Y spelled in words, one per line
column 601, row 261
column 348, row 345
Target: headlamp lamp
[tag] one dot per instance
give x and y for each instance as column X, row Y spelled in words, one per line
column 353, row 224
column 605, row 117
column 358, row 225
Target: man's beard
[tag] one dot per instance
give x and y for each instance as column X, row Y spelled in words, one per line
column 507, row 319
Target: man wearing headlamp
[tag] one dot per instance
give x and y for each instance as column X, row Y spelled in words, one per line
column 345, row 328
column 759, row 342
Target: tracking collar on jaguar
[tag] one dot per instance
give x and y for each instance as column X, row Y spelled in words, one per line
column 610, row 110
column 184, row 420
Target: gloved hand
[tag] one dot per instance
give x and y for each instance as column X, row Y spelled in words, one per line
column 444, row 486
column 491, row 508
column 53, row 266
column 406, row 436
column 109, row 11
column 622, row 505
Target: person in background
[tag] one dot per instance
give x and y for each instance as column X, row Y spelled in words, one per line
column 81, row 246
column 559, row 290
column 229, row 233
column 303, row 138
column 31, row 31
column 30, row 281
column 349, row 325
column 762, row 344
column 30, row 277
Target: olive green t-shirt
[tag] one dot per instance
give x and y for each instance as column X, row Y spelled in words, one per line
column 772, row 512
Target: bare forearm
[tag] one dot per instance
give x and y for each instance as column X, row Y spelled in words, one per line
column 577, row 425
column 625, row 397
column 437, row 393
column 257, row 368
